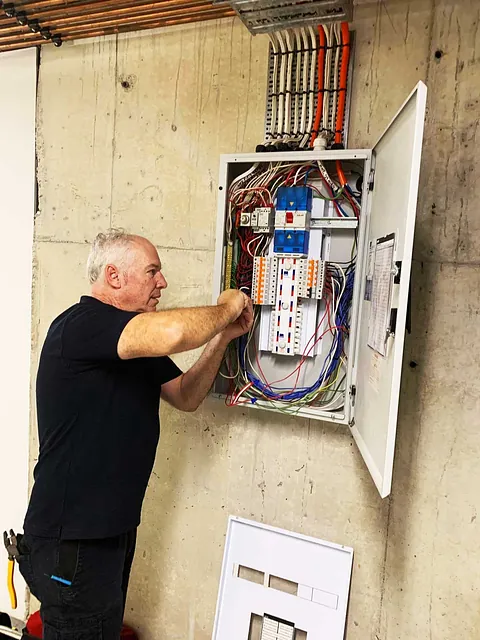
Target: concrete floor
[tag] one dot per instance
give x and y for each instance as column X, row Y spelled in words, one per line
column 129, row 132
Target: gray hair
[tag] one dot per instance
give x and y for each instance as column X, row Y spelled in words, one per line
column 107, row 248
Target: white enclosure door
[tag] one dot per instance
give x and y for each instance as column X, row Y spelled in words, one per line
column 385, row 294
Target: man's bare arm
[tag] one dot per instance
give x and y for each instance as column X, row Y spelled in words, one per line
column 167, row 332
column 188, row 391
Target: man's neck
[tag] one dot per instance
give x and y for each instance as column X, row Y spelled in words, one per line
column 104, row 297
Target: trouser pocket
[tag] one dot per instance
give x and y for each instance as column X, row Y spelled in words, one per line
column 68, row 555
column 25, row 563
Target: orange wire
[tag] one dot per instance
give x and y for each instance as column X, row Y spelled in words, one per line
column 321, row 70
column 342, row 99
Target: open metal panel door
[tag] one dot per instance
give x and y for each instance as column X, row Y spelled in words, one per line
column 385, row 291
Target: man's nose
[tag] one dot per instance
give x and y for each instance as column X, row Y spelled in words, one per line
column 161, row 282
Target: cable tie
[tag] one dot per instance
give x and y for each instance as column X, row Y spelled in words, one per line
column 303, row 50
column 327, row 90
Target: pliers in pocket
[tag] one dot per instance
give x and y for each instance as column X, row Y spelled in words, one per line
column 10, row 542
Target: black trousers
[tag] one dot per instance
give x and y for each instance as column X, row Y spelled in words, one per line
column 81, row 584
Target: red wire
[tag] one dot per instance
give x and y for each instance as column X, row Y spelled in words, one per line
column 331, row 194
column 303, row 360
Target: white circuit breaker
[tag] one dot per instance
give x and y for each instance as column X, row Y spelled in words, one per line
column 299, row 257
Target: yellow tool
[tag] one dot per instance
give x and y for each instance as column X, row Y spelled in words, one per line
column 10, row 542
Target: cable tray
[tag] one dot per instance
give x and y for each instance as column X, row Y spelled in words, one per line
column 264, row 16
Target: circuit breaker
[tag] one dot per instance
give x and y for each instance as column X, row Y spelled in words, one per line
column 322, row 242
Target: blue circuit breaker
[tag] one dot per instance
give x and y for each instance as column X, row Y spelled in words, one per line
column 294, row 199
column 292, row 241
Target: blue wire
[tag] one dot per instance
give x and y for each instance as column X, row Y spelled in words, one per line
column 334, row 354
column 350, row 191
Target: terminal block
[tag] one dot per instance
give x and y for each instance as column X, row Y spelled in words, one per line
column 290, row 286
column 264, row 281
column 285, row 318
column 315, row 279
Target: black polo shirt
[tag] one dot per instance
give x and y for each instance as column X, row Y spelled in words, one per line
column 98, row 423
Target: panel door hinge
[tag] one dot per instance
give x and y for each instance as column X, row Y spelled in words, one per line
column 397, row 272
column 351, row 424
column 371, row 180
column 353, row 393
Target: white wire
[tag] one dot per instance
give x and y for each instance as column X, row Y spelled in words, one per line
column 296, row 175
column 273, row 40
column 311, row 95
column 287, row 127
column 298, row 77
column 248, row 246
column 326, row 79
column 232, row 189
column 326, row 175
column 303, row 122
column 281, row 97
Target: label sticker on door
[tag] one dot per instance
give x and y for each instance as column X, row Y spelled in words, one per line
column 383, row 273
column 375, row 370
column 370, row 271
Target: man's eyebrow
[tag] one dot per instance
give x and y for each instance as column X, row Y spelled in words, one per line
column 155, row 265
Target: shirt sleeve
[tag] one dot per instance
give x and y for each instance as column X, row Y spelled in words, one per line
column 167, row 369
column 93, row 334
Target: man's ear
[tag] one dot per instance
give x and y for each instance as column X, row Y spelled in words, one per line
column 112, row 276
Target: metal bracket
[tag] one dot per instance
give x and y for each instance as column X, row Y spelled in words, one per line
column 264, row 16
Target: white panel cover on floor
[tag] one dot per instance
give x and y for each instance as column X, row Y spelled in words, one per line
column 320, row 572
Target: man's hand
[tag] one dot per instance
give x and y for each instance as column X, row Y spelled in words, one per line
column 236, row 301
column 188, row 390
column 242, row 324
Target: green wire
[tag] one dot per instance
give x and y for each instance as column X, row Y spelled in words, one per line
column 336, row 197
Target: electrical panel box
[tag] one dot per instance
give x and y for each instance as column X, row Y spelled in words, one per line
column 323, row 247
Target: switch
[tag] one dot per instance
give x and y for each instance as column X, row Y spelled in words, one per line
column 289, row 217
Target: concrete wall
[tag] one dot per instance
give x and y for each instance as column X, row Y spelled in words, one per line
column 130, row 131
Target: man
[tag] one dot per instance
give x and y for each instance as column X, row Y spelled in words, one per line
column 102, row 370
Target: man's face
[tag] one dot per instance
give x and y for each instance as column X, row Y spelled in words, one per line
column 142, row 282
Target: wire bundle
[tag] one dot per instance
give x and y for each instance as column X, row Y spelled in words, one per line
column 309, row 86
column 248, row 383
column 252, row 382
